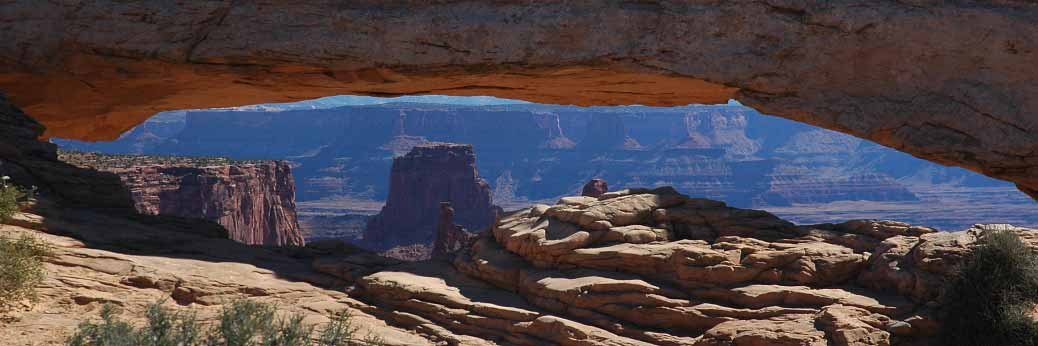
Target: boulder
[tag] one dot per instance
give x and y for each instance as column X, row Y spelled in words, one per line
column 595, row 188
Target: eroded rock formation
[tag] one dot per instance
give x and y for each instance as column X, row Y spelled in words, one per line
column 450, row 237
column 254, row 201
column 631, row 267
column 594, row 188
column 638, row 267
column 131, row 263
column 418, row 183
column 912, row 76
column 538, row 152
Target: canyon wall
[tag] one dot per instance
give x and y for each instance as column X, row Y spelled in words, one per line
column 948, row 81
column 254, row 201
column 418, row 183
column 536, row 152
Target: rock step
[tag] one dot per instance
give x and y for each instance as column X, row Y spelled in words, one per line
column 660, row 267
column 629, row 305
column 442, row 298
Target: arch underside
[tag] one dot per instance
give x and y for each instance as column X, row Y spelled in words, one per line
column 950, row 83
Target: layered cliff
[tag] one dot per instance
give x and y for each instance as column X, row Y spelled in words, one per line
column 418, row 183
column 254, row 201
column 724, row 152
column 541, row 152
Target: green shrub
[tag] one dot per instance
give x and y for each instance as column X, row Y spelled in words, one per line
column 109, row 332
column 9, row 196
column 241, row 323
column 341, row 332
column 21, row 269
column 168, row 328
column 991, row 298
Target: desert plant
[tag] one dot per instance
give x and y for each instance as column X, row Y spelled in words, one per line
column 241, row 323
column 341, row 332
column 9, row 196
column 371, row 340
column 21, row 269
column 290, row 332
column 169, row 328
column 991, row 298
column 109, row 332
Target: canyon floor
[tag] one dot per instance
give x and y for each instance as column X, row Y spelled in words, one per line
column 948, row 208
column 633, row 267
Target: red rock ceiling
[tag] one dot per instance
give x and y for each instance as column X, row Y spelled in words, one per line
column 953, row 83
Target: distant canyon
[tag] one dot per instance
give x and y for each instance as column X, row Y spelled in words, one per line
column 341, row 159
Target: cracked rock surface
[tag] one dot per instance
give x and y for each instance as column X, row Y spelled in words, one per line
column 748, row 278
column 697, row 273
column 103, row 259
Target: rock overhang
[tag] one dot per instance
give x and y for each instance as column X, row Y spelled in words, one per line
column 947, row 82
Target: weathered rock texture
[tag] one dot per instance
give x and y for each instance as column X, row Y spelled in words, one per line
column 640, row 266
column 915, row 76
column 99, row 259
column 594, row 188
column 632, row 267
column 254, row 201
column 450, row 237
column 418, row 183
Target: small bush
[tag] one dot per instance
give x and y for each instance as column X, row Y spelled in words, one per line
column 9, row 196
column 110, row 332
column 168, row 328
column 242, row 323
column 21, row 269
column 341, row 332
column 991, row 299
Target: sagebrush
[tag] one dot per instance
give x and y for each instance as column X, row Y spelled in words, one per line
column 9, row 196
column 241, row 323
column 21, row 269
column 991, row 300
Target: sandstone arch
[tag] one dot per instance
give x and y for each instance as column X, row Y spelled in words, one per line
column 950, row 82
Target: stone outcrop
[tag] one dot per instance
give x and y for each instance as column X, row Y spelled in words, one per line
column 418, row 183
column 99, row 259
column 914, row 264
column 594, row 188
column 921, row 82
column 632, row 267
column 450, row 237
column 644, row 266
column 254, row 201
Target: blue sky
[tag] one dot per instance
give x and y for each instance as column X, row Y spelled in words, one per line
column 352, row 100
